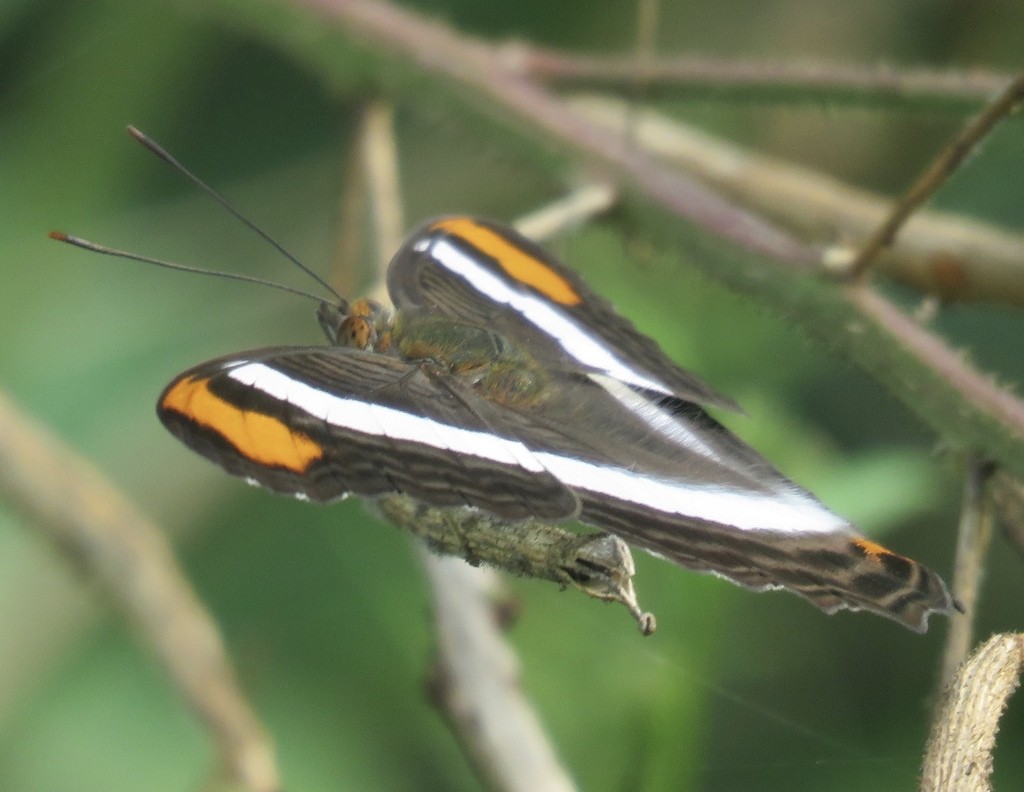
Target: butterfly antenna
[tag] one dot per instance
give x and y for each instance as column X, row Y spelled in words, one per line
column 166, row 156
column 85, row 244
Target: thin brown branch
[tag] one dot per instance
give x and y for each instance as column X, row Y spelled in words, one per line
column 953, row 257
column 351, row 224
column 577, row 207
column 477, row 685
column 474, row 65
column 98, row 531
column 959, row 754
column 648, row 13
column 380, row 160
column 936, row 174
column 973, row 539
column 946, row 364
column 760, row 78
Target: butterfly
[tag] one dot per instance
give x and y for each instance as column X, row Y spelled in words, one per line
column 504, row 383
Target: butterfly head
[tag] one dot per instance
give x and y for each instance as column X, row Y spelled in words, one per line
column 361, row 324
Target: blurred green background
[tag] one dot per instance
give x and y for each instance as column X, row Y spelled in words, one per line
column 324, row 609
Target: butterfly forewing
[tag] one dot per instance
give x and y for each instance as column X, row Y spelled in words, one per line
column 324, row 422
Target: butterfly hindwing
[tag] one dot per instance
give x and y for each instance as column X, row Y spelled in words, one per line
column 481, row 273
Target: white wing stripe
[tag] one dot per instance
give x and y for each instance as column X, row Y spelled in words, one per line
column 657, row 419
column 573, row 338
column 786, row 512
column 782, row 512
column 371, row 419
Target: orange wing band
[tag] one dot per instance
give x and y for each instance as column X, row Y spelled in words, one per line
column 260, row 438
column 515, row 261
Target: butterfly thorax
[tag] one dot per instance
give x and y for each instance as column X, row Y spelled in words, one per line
column 498, row 370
